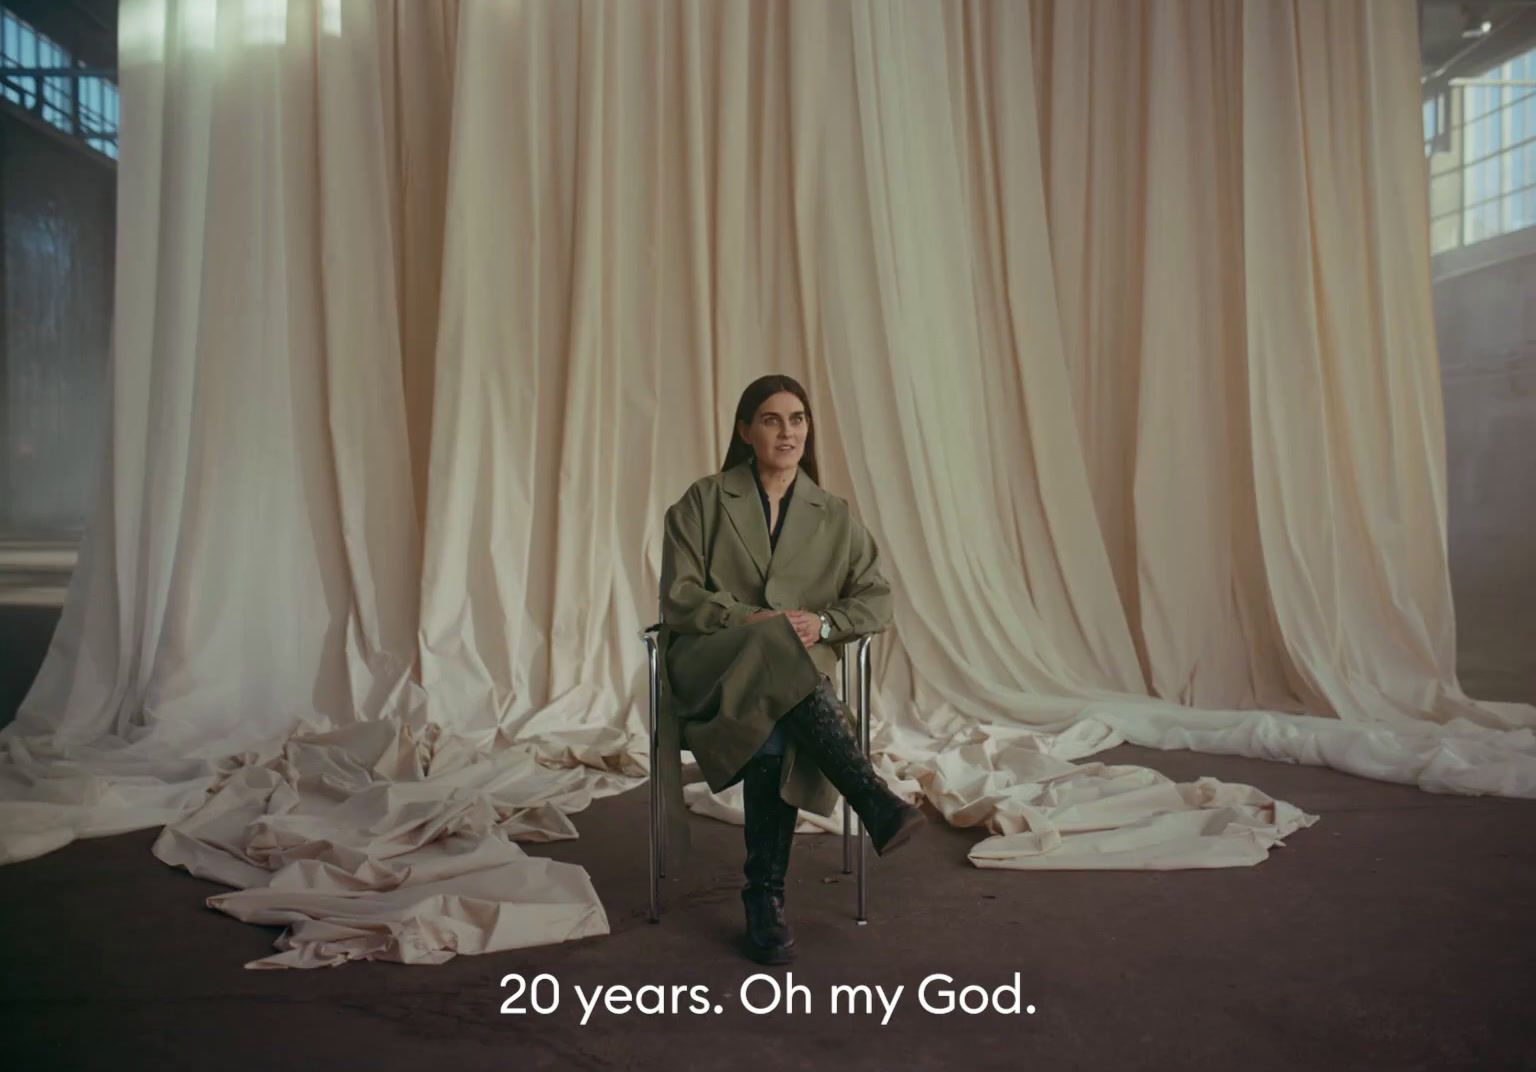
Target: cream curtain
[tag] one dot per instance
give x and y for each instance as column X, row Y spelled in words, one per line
column 1117, row 322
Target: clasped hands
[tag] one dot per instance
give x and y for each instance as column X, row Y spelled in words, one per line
column 807, row 623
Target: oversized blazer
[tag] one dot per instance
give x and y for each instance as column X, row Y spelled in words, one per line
column 725, row 681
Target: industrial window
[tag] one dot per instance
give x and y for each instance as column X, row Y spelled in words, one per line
column 38, row 75
column 1480, row 137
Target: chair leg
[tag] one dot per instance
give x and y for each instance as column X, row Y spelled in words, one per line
column 847, row 839
column 861, row 907
column 863, row 709
column 847, row 809
column 656, row 831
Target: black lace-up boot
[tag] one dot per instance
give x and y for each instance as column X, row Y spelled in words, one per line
column 818, row 726
column 770, row 833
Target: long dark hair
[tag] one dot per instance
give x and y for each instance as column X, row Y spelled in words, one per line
column 757, row 392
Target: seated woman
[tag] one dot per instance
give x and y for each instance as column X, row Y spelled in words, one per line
column 763, row 572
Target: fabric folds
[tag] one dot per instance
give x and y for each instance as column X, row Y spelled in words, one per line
column 1116, row 321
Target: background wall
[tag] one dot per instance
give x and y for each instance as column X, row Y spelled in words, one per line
column 57, row 220
column 56, row 233
column 57, row 237
column 1485, row 321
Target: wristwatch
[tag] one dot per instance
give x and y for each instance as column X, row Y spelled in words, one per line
column 826, row 626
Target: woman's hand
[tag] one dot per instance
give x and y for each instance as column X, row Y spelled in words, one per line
column 807, row 623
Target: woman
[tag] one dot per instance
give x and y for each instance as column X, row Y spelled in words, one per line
column 763, row 573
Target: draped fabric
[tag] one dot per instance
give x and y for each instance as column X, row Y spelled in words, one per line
column 1117, row 324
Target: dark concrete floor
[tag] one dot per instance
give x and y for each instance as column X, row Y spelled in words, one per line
column 1394, row 934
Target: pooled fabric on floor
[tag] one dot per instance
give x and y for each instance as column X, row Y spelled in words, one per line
column 345, row 839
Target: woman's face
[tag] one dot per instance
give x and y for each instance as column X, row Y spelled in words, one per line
column 777, row 432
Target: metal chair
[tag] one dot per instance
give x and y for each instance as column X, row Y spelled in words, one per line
column 658, row 828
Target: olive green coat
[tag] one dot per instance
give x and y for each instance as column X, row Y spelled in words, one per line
column 725, row 682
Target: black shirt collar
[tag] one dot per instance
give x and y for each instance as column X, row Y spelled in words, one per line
column 758, row 481
column 762, row 498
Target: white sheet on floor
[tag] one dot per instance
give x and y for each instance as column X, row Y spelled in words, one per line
column 345, row 838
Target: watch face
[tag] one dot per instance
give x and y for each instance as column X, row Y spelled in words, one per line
column 826, row 628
